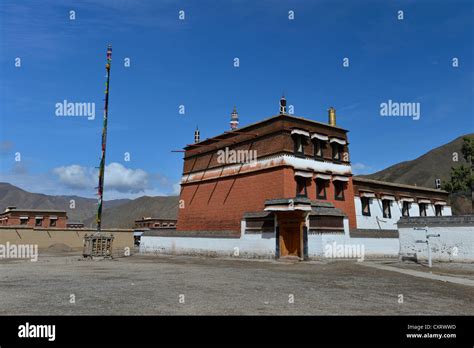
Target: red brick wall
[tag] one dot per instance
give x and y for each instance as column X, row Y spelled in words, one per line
column 210, row 210
column 220, row 205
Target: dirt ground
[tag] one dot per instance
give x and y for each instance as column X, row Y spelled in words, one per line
column 178, row 285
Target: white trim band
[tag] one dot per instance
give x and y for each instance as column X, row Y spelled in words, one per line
column 367, row 194
column 24, row 217
column 340, row 178
column 337, row 140
column 300, row 132
column 388, row 197
column 407, row 199
column 322, row 176
column 303, row 174
column 427, row 201
column 39, row 217
column 440, row 203
column 319, row 136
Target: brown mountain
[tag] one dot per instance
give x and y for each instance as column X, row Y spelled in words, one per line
column 84, row 207
column 124, row 216
column 423, row 170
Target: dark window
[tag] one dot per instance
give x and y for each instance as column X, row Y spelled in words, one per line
column 365, row 206
column 23, row 221
column 319, row 146
column 320, row 189
column 406, row 209
column 439, row 210
column 386, row 208
column 52, row 222
column 299, row 145
column 38, row 222
column 339, row 190
column 337, row 150
column 422, row 209
column 301, row 187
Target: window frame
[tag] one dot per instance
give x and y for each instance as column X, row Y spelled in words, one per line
column 386, row 204
column 342, row 184
column 367, row 200
column 322, row 197
column 298, row 140
column 299, row 179
column 422, row 208
column 319, row 145
column 407, row 206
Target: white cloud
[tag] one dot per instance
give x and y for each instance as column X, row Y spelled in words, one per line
column 75, row 176
column 117, row 177
column 360, row 168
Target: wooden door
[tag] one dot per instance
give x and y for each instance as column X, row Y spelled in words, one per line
column 290, row 228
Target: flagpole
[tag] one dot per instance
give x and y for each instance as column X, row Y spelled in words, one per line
column 104, row 142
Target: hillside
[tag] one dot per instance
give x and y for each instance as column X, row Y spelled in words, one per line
column 423, row 170
column 84, row 207
column 124, row 216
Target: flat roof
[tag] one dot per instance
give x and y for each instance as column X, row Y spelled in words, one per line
column 33, row 211
column 230, row 133
column 396, row 185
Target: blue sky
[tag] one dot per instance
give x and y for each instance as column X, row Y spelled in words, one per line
column 175, row 62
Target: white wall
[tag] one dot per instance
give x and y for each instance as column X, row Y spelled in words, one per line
column 376, row 221
column 373, row 247
column 248, row 246
column 456, row 243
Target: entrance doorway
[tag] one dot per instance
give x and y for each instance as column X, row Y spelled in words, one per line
column 290, row 236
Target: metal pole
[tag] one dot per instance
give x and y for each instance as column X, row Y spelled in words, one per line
column 429, row 252
column 104, row 141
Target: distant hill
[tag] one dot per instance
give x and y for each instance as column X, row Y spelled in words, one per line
column 124, row 215
column 84, row 207
column 423, row 170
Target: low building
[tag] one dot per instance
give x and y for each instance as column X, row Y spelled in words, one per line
column 38, row 218
column 155, row 223
column 74, row 224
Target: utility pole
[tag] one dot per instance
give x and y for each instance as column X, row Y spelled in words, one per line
column 427, row 241
column 104, row 141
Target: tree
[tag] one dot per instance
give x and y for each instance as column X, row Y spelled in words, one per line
column 462, row 178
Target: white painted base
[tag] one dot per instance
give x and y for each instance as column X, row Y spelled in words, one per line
column 248, row 246
column 455, row 243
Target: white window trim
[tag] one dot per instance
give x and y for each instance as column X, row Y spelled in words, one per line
column 319, row 136
column 340, row 178
column 337, row 140
column 322, row 176
column 300, row 132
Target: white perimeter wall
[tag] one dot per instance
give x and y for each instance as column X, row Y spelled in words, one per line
column 263, row 245
column 248, row 246
column 456, row 243
column 373, row 247
column 376, row 221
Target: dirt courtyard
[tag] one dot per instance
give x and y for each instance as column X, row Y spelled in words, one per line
column 63, row 284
